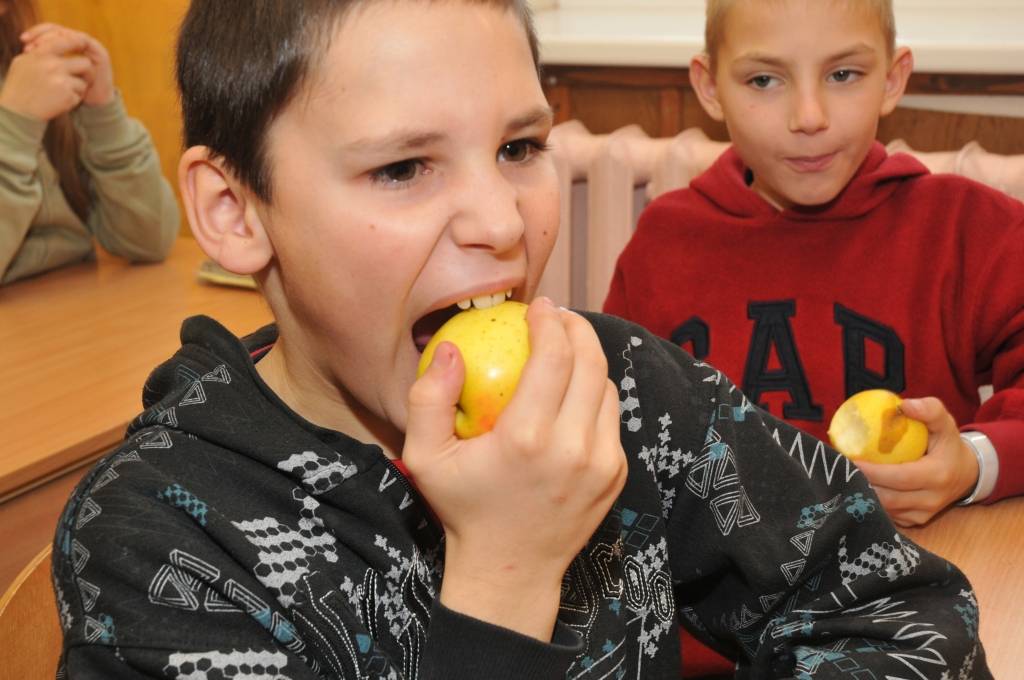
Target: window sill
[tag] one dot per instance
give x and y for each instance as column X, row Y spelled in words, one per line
column 950, row 40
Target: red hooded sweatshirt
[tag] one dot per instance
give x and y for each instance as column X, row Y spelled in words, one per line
column 906, row 280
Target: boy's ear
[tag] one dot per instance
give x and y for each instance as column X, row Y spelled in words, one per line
column 896, row 79
column 222, row 214
column 702, row 78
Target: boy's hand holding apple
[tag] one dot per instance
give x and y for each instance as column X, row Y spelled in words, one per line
column 913, row 492
column 494, row 344
column 519, row 502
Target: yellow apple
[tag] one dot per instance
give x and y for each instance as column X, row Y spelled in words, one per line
column 870, row 426
column 494, row 347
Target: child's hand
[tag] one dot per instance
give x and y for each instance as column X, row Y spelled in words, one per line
column 54, row 38
column 519, row 502
column 913, row 493
column 45, row 82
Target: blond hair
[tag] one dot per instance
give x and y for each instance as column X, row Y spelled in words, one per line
column 714, row 24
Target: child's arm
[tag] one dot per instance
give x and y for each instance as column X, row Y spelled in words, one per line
column 21, row 192
column 518, row 503
column 997, row 313
column 912, row 493
column 780, row 553
column 135, row 214
column 988, row 300
column 38, row 86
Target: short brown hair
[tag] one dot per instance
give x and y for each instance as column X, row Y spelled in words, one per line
column 239, row 63
column 714, row 24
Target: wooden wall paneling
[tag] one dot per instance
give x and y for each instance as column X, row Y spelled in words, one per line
column 606, row 109
column 671, row 113
column 558, row 98
column 966, row 83
column 140, row 37
column 943, row 131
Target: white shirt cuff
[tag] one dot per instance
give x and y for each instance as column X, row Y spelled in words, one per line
column 988, row 466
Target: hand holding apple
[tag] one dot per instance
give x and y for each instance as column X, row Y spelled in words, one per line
column 519, row 502
column 870, row 426
column 914, row 492
column 494, row 344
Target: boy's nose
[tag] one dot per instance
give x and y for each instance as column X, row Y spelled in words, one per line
column 809, row 114
column 487, row 215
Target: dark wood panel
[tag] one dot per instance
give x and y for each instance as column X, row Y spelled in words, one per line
column 943, row 131
column 28, row 522
column 605, row 109
column 645, row 77
column 630, row 77
column 966, row 83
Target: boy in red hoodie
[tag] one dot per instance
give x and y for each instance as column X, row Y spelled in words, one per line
column 808, row 265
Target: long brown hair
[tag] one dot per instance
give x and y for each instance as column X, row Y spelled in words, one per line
column 61, row 140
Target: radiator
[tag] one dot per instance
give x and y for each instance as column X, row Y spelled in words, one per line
column 605, row 181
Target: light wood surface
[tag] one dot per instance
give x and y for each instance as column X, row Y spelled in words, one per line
column 987, row 544
column 77, row 344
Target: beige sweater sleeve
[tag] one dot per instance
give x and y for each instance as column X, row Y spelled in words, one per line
column 21, row 191
column 134, row 214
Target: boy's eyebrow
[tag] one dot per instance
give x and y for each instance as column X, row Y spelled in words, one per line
column 540, row 115
column 399, row 140
column 407, row 140
column 852, row 51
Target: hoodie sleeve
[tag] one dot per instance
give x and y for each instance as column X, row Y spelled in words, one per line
column 460, row 646
column 780, row 553
column 996, row 305
column 135, row 214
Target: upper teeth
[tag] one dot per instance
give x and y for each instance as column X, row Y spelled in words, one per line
column 484, row 301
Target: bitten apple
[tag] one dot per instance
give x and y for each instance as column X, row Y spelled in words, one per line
column 494, row 345
column 870, row 426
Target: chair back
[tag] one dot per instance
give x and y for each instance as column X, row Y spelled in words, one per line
column 30, row 633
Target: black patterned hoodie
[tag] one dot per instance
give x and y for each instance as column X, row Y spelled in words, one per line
column 230, row 538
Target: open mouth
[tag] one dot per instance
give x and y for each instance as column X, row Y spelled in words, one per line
column 423, row 330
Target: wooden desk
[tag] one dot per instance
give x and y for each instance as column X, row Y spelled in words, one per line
column 987, row 544
column 76, row 346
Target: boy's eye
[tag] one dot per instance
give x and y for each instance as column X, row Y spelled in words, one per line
column 520, row 151
column 762, row 82
column 843, row 75
column 398, row 173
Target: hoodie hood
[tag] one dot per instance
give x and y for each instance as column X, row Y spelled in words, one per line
column 724, row 184
column 210, row 391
